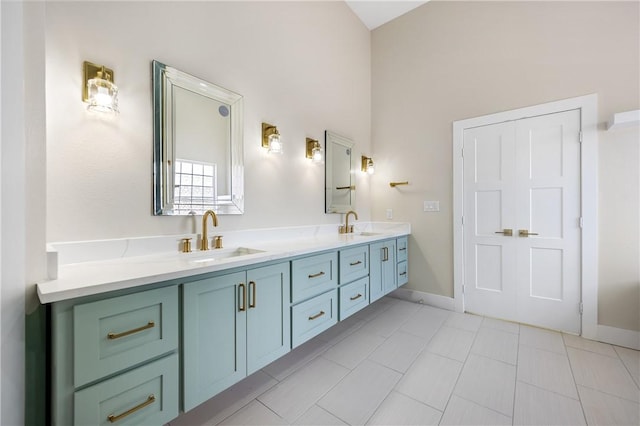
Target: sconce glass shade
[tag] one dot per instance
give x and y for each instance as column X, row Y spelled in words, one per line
column 103, row 94
column 98, row 89
column 271, row 139
column 314, row 150
column 367, row 165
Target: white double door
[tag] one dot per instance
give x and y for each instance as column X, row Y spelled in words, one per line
column 522, row 220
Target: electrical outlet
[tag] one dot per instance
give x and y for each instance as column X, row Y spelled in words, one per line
column 432, row 206
column 389, row 214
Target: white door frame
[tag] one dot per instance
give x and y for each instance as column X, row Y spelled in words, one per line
column 588, row 106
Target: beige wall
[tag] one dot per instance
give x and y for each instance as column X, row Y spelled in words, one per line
column 448, row 61
column 303, row 66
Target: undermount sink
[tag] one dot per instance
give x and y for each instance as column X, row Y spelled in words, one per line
column 220, row 254
column 368, row 234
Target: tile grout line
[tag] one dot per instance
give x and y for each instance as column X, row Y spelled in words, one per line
column 464, row 363
column 573, row 376
column 515, row 386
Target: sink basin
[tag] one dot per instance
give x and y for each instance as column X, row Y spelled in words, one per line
column 220, row 254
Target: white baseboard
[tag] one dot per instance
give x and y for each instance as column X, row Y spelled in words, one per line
column 416, row 296
column 618, row 336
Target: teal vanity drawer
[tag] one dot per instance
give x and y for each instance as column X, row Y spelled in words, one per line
column 114, row 334
column 403, row 273
column 354, row 264
column 313, row 275
column 354, row 297
column 147, row 395
column 402, row 246
column 314, row 316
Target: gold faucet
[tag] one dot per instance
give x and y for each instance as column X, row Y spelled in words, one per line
column 346, row 229
column 204, row 244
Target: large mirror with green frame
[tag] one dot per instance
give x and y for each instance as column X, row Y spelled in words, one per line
column 197, row 158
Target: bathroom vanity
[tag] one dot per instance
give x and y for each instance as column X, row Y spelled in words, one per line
column 136, row 339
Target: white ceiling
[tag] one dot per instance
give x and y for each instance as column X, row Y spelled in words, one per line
column 377, row 12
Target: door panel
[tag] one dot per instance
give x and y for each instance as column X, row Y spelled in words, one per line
column 268, row 319
column 489, row 188
column 548, row 204
column 214, row 336
column 524, row 175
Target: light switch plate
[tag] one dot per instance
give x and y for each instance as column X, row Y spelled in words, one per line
column 432, row 206
column 389, row 214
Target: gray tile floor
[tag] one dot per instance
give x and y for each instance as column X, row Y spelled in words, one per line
column 400, row 363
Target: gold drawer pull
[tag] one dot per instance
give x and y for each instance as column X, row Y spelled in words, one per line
column 316, row 316
column 403, row 273
column 355, row 263
column 113, row 336
column 402, row 249
column 242, row 298
column 252, row 299
column 150, row 400
column 319, row 274
column 356, row 297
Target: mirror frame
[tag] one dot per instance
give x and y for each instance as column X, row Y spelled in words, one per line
column 164, row 79
column 330, row 139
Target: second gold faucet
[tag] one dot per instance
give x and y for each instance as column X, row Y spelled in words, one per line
column 204, row 244
column 346, row 228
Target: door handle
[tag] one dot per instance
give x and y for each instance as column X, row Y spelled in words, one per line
column 242, row 297
column 506, row 232
column 525, row 233
column 252, row 295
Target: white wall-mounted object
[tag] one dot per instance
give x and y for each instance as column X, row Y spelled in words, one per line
column 624, row 119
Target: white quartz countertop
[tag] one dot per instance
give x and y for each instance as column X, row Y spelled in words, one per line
column 88, row 268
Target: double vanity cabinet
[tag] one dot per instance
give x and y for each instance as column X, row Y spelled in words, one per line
column 142, row 355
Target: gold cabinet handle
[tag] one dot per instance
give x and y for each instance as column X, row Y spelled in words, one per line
column 114, row 418
column 403, row 273
column 385, row 256
column 252, row 296
column 356, row 297
column 525, row 233
column 112, row 336
column 506, row 232
column 402, row 249
column 242, row 297
column 316, row 316
column 319, row 274
column 355, row 263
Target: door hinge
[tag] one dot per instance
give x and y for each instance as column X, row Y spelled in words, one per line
column 580, row 136
column 463, row 287
column 581, row 308
column 462, row 152
column 580, row 222
column 463, row 220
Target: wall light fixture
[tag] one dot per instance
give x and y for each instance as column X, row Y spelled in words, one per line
column 367, row 165
column 98, row 89
column 314, row 150
column 271, row 138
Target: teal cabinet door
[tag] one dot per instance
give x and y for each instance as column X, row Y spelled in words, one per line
column 268, row 318
column 376, row 288
column 382, row 274
column 389, row 266
column 214, row 336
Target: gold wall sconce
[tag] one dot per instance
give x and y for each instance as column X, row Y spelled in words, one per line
column 271, row 139
column 98, row 89
column 314, row 150
column 367, row 165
